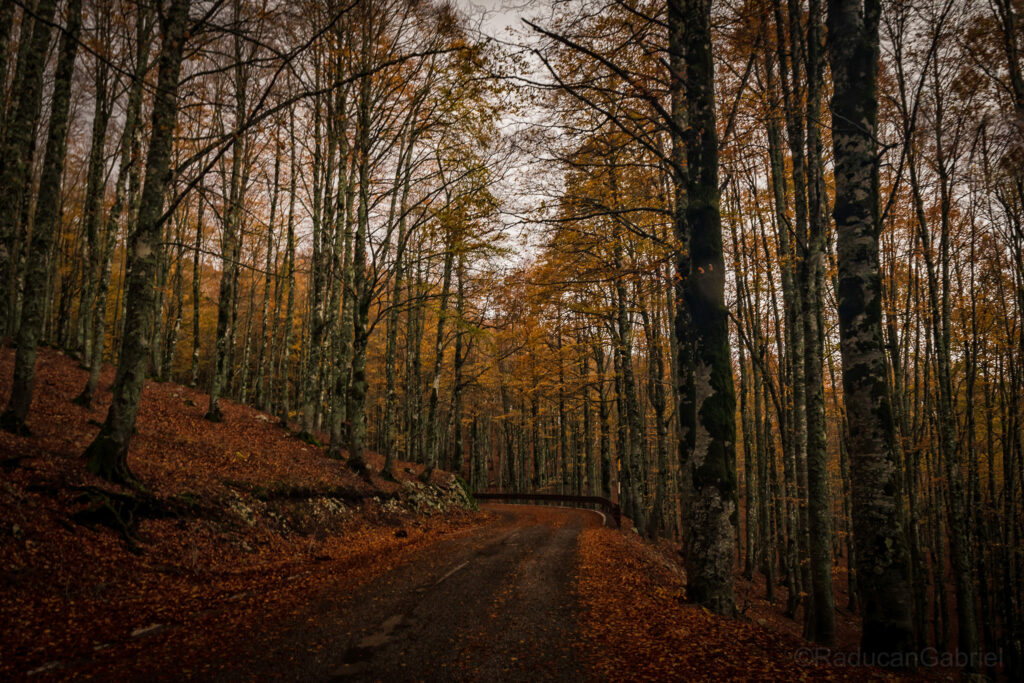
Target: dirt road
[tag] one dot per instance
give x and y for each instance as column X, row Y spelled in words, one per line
column 496, row 604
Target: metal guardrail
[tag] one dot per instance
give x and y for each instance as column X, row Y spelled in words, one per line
column 610, row 507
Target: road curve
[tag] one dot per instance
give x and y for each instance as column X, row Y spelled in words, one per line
column 495, row 604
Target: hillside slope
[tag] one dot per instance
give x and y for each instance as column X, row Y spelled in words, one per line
column 239, row 514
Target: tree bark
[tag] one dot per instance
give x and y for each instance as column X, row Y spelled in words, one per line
column 433, row 435
column 821, row 621
column 108, row 453
column 603, row 414
column 266, row 332
column 196, row 282
column 45, row 229
column 391, row 350
column 16, row 159
column 93, row 210
column 362, row 290
column 174, row 319
column 882, row 556
column 230, row 242
column 710, row 482
column 289, row 277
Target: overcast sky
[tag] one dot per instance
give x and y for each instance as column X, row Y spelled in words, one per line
column 498, row 15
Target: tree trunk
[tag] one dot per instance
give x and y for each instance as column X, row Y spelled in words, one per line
column 230, row 243
column 456, row 456
column 433, row 432
column 791, row 62
column 821, row 621
column 413, row 363
column 310, row 385
column 6, row 24
column 710, row 467
column 16, row 159
column 789, row 555
column 289, row 277
column 343, row 264
column 45, row 229
column 93, row 209
column 174, row 323
column 391, row 350
column 108, row 453
column 630, row 424
column 882, row 557
column 266, row 347
column 746, row 417
column 588, row 447
column 563, row 454
column 603, row 414
column 362, row 289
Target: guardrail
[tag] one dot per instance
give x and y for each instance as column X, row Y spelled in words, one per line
column 611, row 508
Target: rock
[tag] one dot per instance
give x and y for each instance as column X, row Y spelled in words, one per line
column 243, row 511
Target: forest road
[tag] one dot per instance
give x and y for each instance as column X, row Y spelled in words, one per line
column 493, row 605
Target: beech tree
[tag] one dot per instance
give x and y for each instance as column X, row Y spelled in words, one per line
column 19, row 146
column 883, row 562
column 44, row 227
column 108, row 453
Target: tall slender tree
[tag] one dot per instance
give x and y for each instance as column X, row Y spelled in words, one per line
column 19, row 145
column 882, row 555
column 46, row 226
column 108, row 453
column 710, row 498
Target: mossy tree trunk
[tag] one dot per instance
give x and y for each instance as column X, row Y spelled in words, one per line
column 882, row 556
column 342, row 292
column 46, row 227
column 820, row 623
column 362, row 289
column 108, row 453
column 710, row 468
column 19, row 145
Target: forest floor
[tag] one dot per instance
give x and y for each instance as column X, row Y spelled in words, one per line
column 635, row 619
column 238, row 518
column 247, row 538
